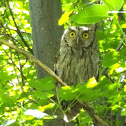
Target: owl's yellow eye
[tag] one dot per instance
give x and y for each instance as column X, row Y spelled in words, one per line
column 85, row 35
column 72, row 34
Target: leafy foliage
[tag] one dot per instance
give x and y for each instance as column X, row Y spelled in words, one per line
column 22, row 95
column 91, row 14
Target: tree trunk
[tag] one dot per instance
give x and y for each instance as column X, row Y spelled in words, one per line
column 46, row 39
column 46, row 32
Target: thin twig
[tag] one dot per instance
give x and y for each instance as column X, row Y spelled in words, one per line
column 18, row 30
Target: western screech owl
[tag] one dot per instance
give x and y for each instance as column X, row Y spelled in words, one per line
column 78, row 59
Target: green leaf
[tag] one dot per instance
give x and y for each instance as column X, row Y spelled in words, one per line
column 43, row 84
column 113, row 4
column 110, row 58
column 87, row 94
column 117, row 98
column 67, row 93
column 115, row 107
column 92, row 83
column 89, row 15
column 42, row 94
column 123, row 112
column 111, row 92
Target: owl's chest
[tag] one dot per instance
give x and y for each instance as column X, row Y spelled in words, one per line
column 76, row 66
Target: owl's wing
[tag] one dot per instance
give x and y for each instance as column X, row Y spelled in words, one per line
column 55, row 65
column 56, row 61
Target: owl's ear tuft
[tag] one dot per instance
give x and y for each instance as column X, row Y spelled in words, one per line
column 93, row 27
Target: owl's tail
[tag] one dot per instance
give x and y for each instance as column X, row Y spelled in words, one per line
column 72, row 111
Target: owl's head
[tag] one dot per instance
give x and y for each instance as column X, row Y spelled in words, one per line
column 78, row 37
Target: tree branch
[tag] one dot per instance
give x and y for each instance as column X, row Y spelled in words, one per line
column 18, row 30
column 50, row 72
column 32, row 58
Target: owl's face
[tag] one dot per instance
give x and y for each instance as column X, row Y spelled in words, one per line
column 78, row 37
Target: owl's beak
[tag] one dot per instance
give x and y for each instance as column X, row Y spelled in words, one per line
column 77, row 40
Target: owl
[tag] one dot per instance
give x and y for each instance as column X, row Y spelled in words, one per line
column 78, row 60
